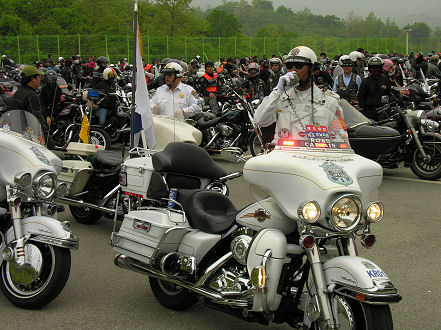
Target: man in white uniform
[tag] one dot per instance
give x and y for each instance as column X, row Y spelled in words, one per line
column 290, row 104
column 175, row 99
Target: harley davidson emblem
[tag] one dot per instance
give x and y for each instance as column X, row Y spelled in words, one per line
column 336, row 173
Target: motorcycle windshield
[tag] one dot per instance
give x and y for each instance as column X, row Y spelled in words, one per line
column 23, row 123
column 352, row 116
column 312, row 126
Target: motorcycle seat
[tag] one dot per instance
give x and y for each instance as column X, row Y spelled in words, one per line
column 207, row 210
column 204, row 123
column 108, row 158
column 187, row 159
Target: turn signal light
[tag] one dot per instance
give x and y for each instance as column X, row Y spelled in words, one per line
column 289, row 143
column 368, row 240
column 16, row 202
column 258, row 277
column 307, row 241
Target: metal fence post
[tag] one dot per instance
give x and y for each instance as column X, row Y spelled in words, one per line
column 105, row 40
column 79, row 45
column 38, row 48
column 148, row 49
column 326, row 45
column 185, row 48
column 128, row 49
column 218, row 49
column 18, row 49
column 167, row 47
column 235, row 46
column 264, row 46
column 203, row 49
column 58, row 44
column 250, row 47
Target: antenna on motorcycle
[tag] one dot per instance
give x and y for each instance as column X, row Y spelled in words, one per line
column 312, row 94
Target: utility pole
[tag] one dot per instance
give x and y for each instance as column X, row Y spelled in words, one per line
column 407, row 41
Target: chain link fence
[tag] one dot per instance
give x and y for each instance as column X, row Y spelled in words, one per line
column 29, row 48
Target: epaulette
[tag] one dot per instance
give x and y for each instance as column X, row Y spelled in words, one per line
column 332, row 94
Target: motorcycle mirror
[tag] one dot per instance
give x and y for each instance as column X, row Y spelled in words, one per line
column 385, row 99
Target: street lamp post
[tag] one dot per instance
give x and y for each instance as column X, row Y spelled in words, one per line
column 407, row 41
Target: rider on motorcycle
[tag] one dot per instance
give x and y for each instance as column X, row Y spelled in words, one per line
column 286, row 102
column 253, row 85
column 372, row 89
column 210, row 87
column 175, row 99
column 347, row 84
column 276, row 72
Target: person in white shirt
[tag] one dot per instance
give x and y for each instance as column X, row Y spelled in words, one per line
column 175, row 99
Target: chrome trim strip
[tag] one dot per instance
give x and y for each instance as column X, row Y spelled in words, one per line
column 213, row 268
column 68, row 243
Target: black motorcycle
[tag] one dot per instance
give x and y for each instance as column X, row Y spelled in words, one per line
column 406, row 136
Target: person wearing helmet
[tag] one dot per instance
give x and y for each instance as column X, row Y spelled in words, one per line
column 359, row 63
column 50, row 95
column 210, row 87
column 243, row 67
column 372, row 89
column 338, row 70
column 347, row 84
column 97, row 76
column 264, row 71
column 231, row 67
column 321, row 76
column 158, row 81
column 276, row 72
column 253, row 85
column 296, row 95
column 174, row 98
column 420, row 65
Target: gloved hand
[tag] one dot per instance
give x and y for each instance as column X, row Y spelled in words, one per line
column 287, row 81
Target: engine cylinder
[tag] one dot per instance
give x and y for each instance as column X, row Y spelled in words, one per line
column 239, row 248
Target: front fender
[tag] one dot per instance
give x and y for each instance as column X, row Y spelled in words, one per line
column 361, row 279
column 46, row 230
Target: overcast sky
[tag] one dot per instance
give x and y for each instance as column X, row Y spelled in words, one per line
column 402, row 11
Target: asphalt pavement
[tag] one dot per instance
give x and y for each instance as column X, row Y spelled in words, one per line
column 100, row 295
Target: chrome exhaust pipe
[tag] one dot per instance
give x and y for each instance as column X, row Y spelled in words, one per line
column 125, row 262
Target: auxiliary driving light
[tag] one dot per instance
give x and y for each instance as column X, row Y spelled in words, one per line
column 309, row 211
column 307, row 241
column 375, row 212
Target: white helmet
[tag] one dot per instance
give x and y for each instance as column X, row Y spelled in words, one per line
column 60, row 59
column 109, row 74
column 344, row 60
column 353, row 56
column 173, row 68
column 303, row 54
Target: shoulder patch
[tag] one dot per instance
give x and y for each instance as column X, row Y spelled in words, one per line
column 194, row 93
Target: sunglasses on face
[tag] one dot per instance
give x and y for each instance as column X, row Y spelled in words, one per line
column 297, row 65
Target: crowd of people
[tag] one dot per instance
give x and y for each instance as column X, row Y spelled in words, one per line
column 360, row 77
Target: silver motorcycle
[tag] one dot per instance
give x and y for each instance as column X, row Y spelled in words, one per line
column 34, row 246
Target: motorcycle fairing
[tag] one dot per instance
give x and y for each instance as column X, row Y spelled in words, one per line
column 46, row 230
column 295, row 175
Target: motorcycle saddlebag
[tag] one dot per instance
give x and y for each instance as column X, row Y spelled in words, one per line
column 145, row 234
column 372, row 141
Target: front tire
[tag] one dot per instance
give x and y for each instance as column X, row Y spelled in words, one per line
column 27, row 288
column 84, row 214
column 355, row 315
column 427, row 170
column 171, row 295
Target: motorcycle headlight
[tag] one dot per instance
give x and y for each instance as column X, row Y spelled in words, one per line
column 309, row 211
column 345, row 213
column 375, row 212
column 44, row 185
column 421, row 116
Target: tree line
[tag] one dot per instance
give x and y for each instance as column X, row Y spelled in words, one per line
column 178, row 18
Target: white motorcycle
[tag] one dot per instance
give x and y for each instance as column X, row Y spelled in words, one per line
column 34, row 246
column 290, row 257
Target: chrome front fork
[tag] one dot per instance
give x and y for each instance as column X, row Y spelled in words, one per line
column 328, row 312
column 320, row 285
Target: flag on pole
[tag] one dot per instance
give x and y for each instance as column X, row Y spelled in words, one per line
column 84, row 132
column 143, row 119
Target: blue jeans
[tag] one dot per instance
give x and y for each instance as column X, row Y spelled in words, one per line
column 102, row 114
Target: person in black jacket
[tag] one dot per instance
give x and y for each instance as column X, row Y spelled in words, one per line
column 372, row 89
column 26, row 97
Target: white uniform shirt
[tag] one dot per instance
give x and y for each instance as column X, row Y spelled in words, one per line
column 278, row 108
column 183, row 97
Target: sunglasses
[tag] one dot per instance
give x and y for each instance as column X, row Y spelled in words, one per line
column 274, row 64
column 297, row 65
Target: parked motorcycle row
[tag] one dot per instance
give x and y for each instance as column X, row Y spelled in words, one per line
column 287, row 258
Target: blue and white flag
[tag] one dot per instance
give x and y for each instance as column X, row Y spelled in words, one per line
column 143, row 121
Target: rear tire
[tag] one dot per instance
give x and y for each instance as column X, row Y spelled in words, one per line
column 171, row 295
column 100, row 137
column 53, row 275
column 430, row 170
column 85, row 215
column 256, row 146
